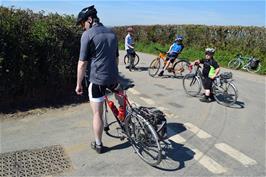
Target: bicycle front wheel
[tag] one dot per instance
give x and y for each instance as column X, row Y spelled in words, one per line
column 226, row 94
column 234, row 64
column 192, row 84
column 181, row 68
column 143, row 138
column 154, row 67
column 136, row 60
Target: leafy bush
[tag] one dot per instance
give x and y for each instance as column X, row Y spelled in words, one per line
column 38, row 56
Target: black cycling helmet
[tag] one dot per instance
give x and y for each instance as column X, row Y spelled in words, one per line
column 179, row 38
column 85, row 13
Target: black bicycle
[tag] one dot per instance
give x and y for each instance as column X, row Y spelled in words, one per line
column 135, row 61
column 223, row 87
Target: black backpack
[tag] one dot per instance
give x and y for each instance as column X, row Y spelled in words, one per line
column 254, row 63
column 157, row 120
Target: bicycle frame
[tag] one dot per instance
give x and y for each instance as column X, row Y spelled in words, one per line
column 125, row 104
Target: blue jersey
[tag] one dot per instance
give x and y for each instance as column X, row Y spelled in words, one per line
column 176, row 48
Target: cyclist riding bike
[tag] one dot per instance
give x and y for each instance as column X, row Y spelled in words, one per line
column 98, row 53
column 129, row 47
column 210, row 70
column 173, row 52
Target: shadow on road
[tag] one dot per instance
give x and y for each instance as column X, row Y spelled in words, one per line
column 238, row 105
column 174, row 154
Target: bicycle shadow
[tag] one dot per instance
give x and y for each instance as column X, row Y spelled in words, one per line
column 141, row 68
column 174, row 154
column 123, row 145
column 237, row 105
column 167, row 76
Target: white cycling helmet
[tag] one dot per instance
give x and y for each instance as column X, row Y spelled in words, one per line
column 210, row 50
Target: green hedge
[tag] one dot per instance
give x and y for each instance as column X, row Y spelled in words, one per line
column 38, row 56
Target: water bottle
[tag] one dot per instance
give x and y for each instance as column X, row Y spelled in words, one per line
column 113, row 107
column 218, row 81
column 121, row 113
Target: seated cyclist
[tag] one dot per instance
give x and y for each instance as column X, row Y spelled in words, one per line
column 175, row 49
column 210, row 70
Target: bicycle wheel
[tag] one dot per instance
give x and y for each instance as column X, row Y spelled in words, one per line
column 226, row 94
column 181, row 67
column 154, row 67
column 143, row 138
column 192, row 84
column 234, row 64
column 136, row 60
column 249, row 69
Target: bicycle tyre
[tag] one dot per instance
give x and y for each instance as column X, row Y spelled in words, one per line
column 249, row 69
column 192, row 84
column 181, row 67
column 234, row 64
column 222, row 96
column 143, row 138
column 154, row 67
column 136, row 61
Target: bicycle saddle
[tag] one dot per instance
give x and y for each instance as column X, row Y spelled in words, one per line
column 125, row 87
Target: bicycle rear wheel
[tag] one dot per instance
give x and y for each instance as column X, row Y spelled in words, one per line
column 143, row 138
column 181, row 67
column 192, row 84
column 154, row 67
column 234, row 64
column 226, row 94
column 251, row 70
column 136, row 60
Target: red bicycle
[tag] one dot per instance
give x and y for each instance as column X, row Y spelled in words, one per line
column 133, row 126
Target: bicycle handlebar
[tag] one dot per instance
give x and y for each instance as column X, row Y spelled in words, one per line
column 159, row 50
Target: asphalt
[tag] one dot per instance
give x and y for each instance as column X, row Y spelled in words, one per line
column 205, row 139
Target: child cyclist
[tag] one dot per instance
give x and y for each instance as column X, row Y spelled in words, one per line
column 175, row 49
column 210, row 70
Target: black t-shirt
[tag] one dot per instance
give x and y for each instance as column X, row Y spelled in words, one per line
column 207, row 64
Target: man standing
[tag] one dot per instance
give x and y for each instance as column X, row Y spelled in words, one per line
column 98, row 52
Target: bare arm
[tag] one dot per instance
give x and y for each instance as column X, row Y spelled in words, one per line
column 82, row 65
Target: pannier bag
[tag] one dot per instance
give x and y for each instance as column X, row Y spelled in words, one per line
column 254, row 63
column 226, row 75
column 156, row 118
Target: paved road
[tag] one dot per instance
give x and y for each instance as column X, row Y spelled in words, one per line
column 206, row 139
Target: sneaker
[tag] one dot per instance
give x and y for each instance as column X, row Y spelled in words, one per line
column 97, row 148
column 161, row 73
column 127, row 67
column 205, row 99
column 212, row 97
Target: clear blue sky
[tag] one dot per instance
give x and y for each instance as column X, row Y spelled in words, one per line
column 147, row 12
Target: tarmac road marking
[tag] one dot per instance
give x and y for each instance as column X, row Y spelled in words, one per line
column 134, row 92
column 237, row 155
column 204, row 160
column 197, row 131
column 207, row 162
column 148, row 101
column 175, row 137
